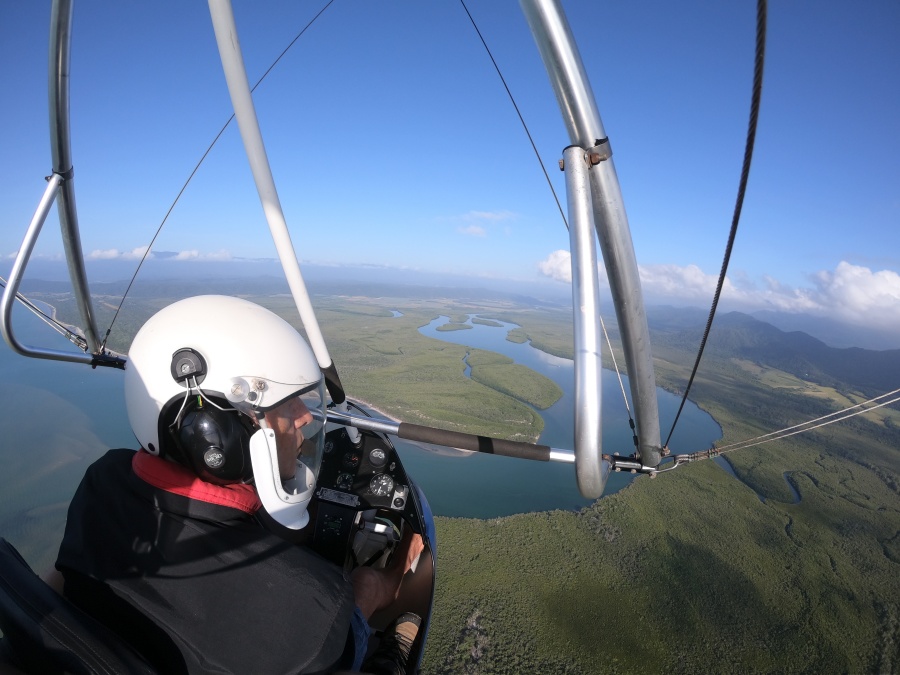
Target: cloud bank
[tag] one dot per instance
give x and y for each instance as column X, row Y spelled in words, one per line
column 138, row 253
column 850, row 293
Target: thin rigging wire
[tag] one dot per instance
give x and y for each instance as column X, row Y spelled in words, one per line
column 197, row 167
column 60, row 328
column 761, row 9
column 714, row 451
column 634, row 437
column 552, row 191
column 518, row 112
column 777, row 435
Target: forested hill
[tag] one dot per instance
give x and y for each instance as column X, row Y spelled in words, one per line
column 740, row 336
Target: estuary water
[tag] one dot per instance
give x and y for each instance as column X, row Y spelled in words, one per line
column 485, row 486
column 59, row 417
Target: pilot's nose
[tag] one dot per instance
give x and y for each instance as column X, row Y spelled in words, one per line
column 302, row 415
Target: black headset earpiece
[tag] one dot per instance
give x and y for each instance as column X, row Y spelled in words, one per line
column 214, row 443
column 207, row 435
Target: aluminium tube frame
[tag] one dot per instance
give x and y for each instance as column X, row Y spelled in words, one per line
column 61, row 189
column 245, row 112
column 60, row 51
column 578, row 106
column 54, row 184
column 591, row 470
column 225, row 28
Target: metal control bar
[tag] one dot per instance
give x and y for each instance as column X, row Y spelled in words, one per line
column 456, row 439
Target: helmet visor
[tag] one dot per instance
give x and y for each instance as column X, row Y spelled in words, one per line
column 311, row 448
column 299, row 425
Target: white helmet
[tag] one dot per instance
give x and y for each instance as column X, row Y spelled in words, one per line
column 201, row 374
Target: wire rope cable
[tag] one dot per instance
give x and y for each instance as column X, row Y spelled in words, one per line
column 562, row 214
column 518, row 112
column 837, row 416
column 51, row 321
column 197, row 167
column 612, row 354
column 761, row 11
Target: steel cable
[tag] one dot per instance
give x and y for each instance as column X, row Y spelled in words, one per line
column 761, row 10
column 197, row 167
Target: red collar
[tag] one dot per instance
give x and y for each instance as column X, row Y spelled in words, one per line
column 175, row 478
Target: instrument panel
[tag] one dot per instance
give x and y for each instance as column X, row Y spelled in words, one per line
column 357, row 477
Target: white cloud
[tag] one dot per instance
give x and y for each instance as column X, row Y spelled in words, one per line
column 850, row 293
column 491, row 216
column 859, row 295
column 221, row 254
column 475, row 222
column 108, row 254
column 690, row 282
column 194, row 254
column 115, row 254
column 138, row 253
column 472, row 231
column 557, row 266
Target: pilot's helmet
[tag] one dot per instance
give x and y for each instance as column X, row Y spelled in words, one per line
column 201, row 375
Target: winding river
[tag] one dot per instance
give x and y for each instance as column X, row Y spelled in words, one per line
column 486, row 486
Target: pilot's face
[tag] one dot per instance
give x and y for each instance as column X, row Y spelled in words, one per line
column 287, row 421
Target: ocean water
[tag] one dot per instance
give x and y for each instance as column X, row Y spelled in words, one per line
column 59, row 417
column 56, row 419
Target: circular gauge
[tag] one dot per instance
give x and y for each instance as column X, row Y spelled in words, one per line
column 377, row 457
column 350, row 460
column 344, row 481
column 381, row 485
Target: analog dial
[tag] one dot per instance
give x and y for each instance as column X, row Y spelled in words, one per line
column 381, row 485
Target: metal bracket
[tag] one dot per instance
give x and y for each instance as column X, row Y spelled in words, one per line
column 600, row 152
column 629, row 464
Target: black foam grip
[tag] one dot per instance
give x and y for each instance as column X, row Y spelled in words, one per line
column 333, row 384
column 491, row 446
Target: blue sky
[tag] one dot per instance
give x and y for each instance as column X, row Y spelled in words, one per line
column 393, row 142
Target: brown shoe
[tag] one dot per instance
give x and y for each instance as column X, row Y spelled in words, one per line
column 393, row 652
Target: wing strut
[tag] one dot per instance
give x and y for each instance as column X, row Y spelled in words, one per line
column 579, row 111
column 239, row 88
column 60, row 188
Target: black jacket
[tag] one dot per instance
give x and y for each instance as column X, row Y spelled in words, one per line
column 195, row 584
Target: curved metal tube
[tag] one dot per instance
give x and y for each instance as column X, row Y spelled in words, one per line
column 15, row 278
column 586, row 318
column 58, row 85
column 579, row 111
column 242, row 100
